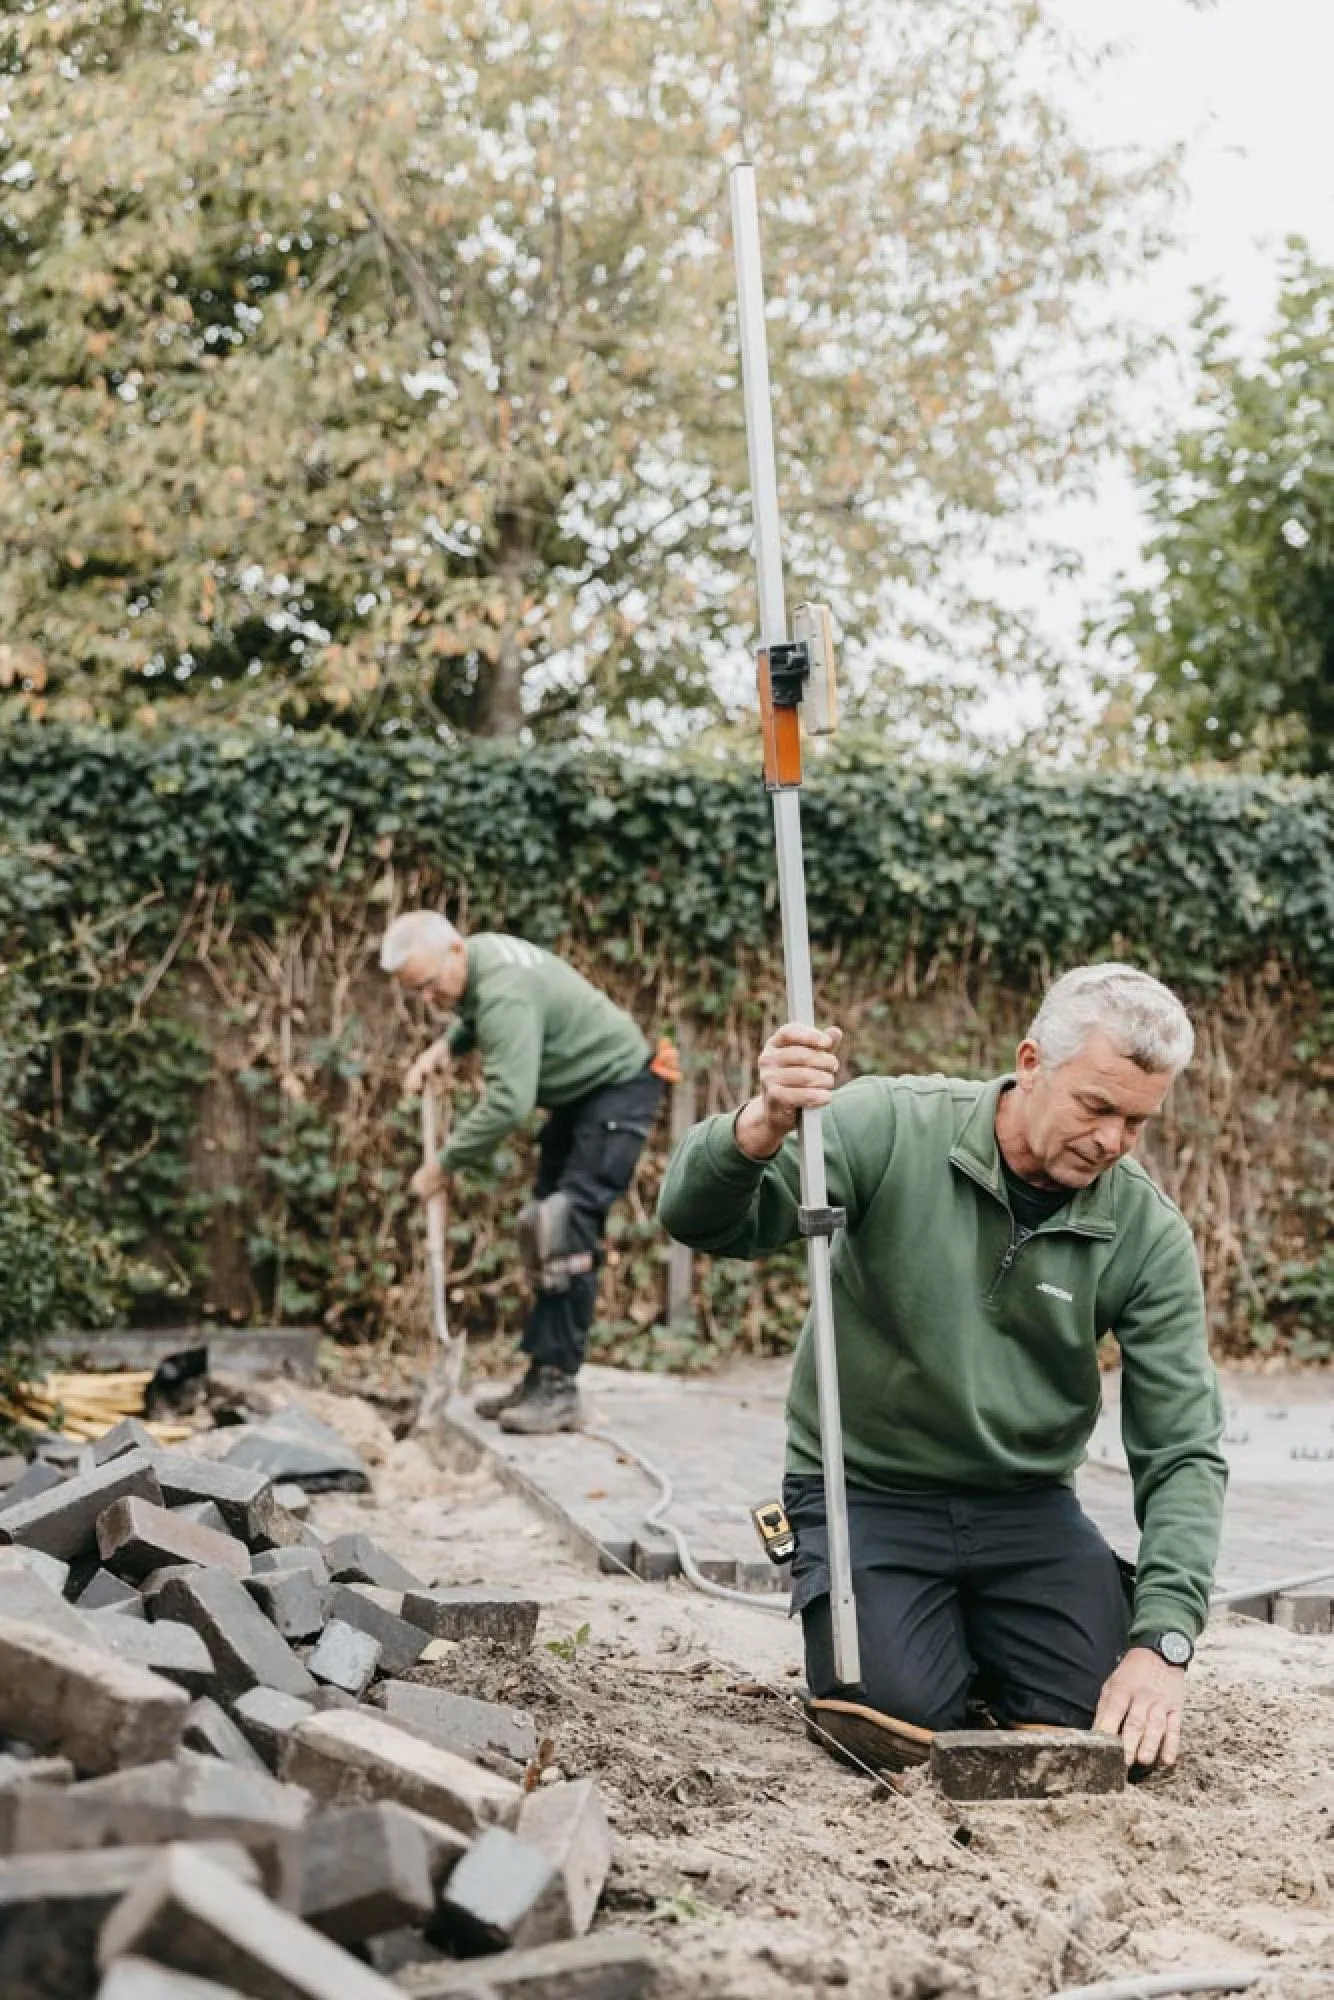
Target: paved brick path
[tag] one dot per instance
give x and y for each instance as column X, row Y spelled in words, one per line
column 719, row 1439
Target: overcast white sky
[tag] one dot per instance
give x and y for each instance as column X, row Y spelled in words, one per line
column 1247, row 84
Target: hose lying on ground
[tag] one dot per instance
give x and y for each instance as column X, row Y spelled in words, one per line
column 1152, row 1985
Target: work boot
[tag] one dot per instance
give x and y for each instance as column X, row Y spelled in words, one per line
column 548, row 1400
column 863, row 1737
column 494, row 1401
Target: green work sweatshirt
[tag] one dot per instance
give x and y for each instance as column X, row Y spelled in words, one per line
column 545, row 1035
column 967, row 1352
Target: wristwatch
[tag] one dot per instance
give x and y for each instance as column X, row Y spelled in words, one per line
column 1174, row 1647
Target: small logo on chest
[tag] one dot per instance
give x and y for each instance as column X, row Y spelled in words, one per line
column 1056, row 1292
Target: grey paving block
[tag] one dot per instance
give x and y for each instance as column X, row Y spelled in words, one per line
column 267, row 1718
column 242, row 1496
column 293, row 1600
column 205, row 1514
column 134, row 1538
column 375, row 1611
column 611, row 1965
column 502, row 1894
column 344, row 1658
column 293, row 1446
column 294, row 1498
column 366, row 1870
column 105, row 1592
column 567, row 1824
column 459, row 1722
column 61, row 1695
column 52, row 1572
column 137, row 1979
column 163, row 1646
column 358, row 1559
column 247, row 1651
column 25, row 1597
column 191, row 1798
column 355, row 1754
column 270, row 1562
column 505, row 1617
column 13, row 1465
column 63, row 1521
column 1026, row 1764
column 68, row 1455
column 153, row 1584
column 38, row 1478
column 128, row 1435
column 327, row 1698
column 1304, row 1610
column 210, row 1731
column 188, row 1914
column 52, row 1911
column 19, row 1775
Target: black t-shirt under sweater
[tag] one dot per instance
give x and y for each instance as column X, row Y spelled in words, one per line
column 1031, row 1205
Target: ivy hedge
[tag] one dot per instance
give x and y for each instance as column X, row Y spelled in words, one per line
column 197, row 1050
column 1022, row 870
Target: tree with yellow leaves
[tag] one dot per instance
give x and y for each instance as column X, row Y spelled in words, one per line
column 377, row 368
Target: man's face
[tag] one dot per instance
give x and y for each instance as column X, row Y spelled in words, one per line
column 433, row 976
column 1086, row 1115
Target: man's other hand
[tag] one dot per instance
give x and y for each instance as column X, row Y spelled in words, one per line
column 798, row 1066
column 1141, row 1703
column 432, row 1062
column 428, row 1180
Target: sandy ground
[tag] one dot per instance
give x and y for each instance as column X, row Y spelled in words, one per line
column 764, row 1869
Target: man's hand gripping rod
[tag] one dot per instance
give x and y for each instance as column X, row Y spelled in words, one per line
column 784, row 668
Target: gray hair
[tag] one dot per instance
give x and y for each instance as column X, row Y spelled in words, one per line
column 415, row 931
column 1145, row 1021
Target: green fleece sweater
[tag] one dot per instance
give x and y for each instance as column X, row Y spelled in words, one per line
column 545, row 1035
column 967, row 1355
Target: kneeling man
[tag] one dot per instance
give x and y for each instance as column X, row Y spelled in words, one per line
column 995, row 1233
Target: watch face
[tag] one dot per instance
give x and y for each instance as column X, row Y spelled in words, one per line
column 1175, row 1648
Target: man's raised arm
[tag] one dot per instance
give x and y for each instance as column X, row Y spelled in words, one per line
column 733, row 1188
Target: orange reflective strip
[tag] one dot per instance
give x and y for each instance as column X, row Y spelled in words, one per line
column 781, row 732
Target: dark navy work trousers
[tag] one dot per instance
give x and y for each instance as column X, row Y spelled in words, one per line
column 1013, row 1600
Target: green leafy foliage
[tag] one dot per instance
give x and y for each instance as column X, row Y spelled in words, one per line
column 204, row 1053
column 378, row 368
column 1237, row 630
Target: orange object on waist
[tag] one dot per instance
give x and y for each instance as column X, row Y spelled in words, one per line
column 666, row 1062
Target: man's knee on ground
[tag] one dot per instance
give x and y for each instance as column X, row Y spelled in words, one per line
column 890, row 1684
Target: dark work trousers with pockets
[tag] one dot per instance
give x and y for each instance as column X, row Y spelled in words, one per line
column 1013, row 1600
column 588, row 1150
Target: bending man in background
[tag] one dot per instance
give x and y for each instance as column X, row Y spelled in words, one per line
column 546, row 1037
column 995, row 1233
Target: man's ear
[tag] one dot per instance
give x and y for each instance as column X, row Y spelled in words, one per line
column 1027, row 1064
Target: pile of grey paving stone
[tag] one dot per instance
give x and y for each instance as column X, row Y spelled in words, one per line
column 215, row 1780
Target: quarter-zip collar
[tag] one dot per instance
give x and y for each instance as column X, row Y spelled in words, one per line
column 976, row 1153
